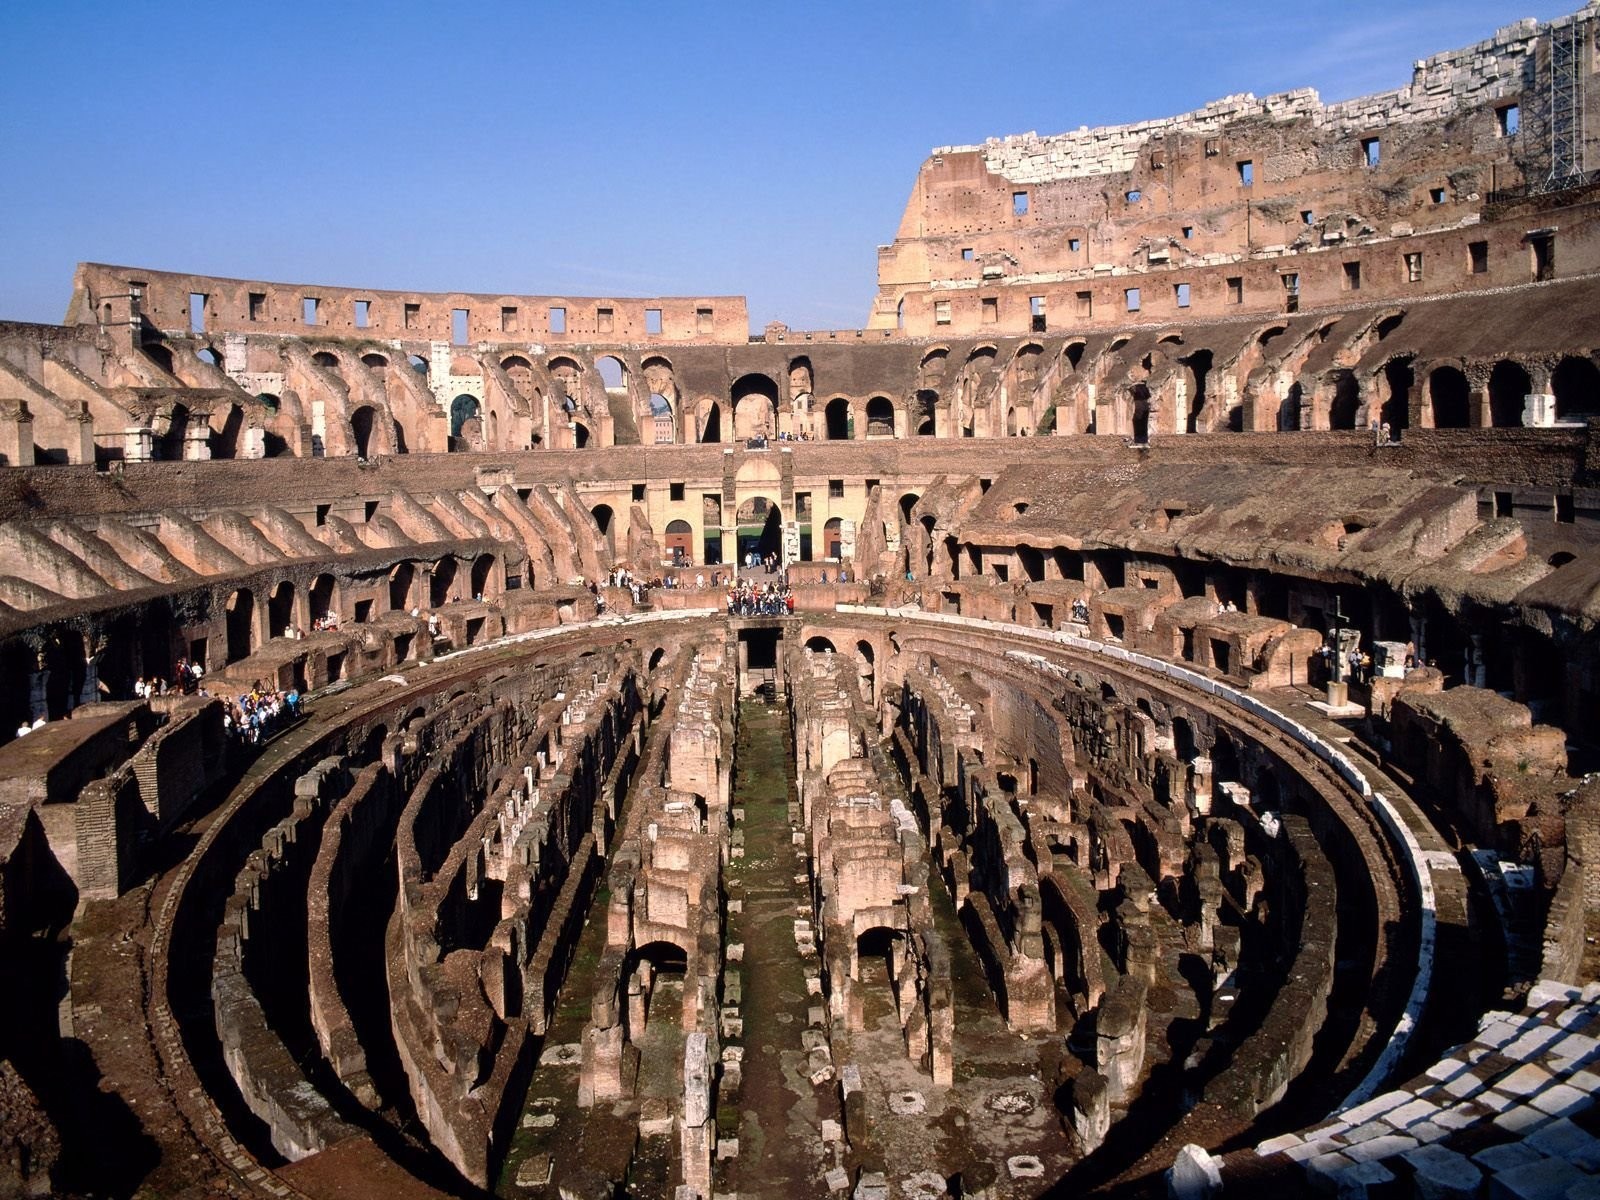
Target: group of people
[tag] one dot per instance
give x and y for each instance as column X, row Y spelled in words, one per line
column 186, row 677
column 748, row 599
column 757, row 561
column 259, row 713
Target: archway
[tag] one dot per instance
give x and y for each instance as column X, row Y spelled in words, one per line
column 400, row 579
column 169, row 445
column 907, row 503
column 820, row 645
column 1509, row 385
column 241, row 625
column 361, row 426
column 833, row 539
column 603, row 517
column 680, row 541
column 444, row 578
column 760, row 525
column 709, row 415
column 755, row 406
column 520, row 371
column 1399, row 378
column 376, row 361
column 866, row 666
column 613, row 373
column 280, row 610
column 580, row 434
column 324, row 358
column 1289, row 409
column 1141, row 413
column 225, row 440
column 483, row 577
column 1576, row 385
column 464, row 424
column 923, row 412
column 880, row 417
column 837, row 425
column 321, row 597
column 1346, row 401
column 1448, row 394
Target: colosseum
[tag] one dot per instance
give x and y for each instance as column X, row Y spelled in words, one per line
column 1123, row 722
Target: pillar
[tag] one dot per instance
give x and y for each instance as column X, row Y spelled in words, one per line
column 16, row 434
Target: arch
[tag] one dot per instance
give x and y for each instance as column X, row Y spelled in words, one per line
column 1289, row 408
column 837, row 421
column 802, row 379
column 464, row 424
column 520, row 371
column 755, row 406
column 661, row 416
column 484, row 582
column 1448, row 396
column 1399, row 378
column 833, row 538
column 1346, row 403
column 923, row 413
column 680, row 541
column 759, row 521
column 1141, row 414
column 1011, row 421
column 169, row 445
column 280, row 610
column 322, row 598
column 656, row 656
column 225, row 440
column 376, row 361
column 324, row 358
column 401, row 576
column 907, row 503
column 417, row 363
column 1509, row 386
column 580, row 434
column 1576, row 385
column 241, row 625
column 1031, row 560
column 1198, row 366
column 708, row 419
column 880, row 417
column 613, row 372
column 981, row 357
column 603, row 519
column 930, row 371
column 208, row 356
column 441, row 581
column 361, row 425
column 820, row 645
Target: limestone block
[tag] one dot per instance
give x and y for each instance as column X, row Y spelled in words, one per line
column 1194, row 1175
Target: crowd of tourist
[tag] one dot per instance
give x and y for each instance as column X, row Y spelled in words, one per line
column 750, row 599
column 256, row 715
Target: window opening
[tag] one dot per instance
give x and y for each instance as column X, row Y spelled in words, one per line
column 412, row 316
column 458, row 326
column 941, row 312
column 966, row 254
column 308, row 309
column 1131, row 295
column 1414, row 266
column 1236, row 290
column 1181, row 291
column 604, row 319
column 1372, row 150
column 1247, row 173
column 991, row 310
column 558, row 319
column 1019, row 204
column 1509, row 119
column 508, row 320
column 652, row 320
column 197, row 312
column 1036, row 313
column 1352, row 277
column 1478, row 257
column 363, row 313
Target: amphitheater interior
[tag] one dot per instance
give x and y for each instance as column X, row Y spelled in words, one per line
column 1122, row 722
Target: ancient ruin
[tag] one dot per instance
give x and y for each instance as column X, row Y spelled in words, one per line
column 1124, row 722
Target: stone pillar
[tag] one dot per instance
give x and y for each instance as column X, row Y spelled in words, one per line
column 16, row 434
column 1538, row 410
column 1200, row 786
column 82, row 448
column 138, row 445
column 1119, row 1038
column 197, row 441
column 698, row 1135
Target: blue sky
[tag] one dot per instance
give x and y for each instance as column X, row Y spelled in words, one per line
column 594, row 148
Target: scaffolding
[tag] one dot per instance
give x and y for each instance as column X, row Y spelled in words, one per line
column 1564, row 118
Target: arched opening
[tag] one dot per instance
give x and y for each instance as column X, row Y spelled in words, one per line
column 208, row 356
column 520, row 371
column 67, row 672
column 833, row 538
column 464, row 424
column 280, row 610
column 603, row 517
column 400, row 580
column 866, row 665
column 907, row 503
column 1011, row 422
column 375, row 361
column 880, row 417
column 492, row 431
column 924, row 407
column 1199, row 368
column 169, row 445
column 755, row 406
column 225, row 438
column 1346, row 401
column 361, row 427
column 1575, row 383
column 661, row 432
column 241, row 625
column 324, row 359
column 580, row 434
column 321, row 598
column 1448, row 394
column 820, row 645
column 656, row 656
column 680, row 542
column 928, row 527
column 837, row 425
column 483, row 577
column 1141, row 413
column 710, row 415
column 443, row 580
column 657, row 967
column 1183, row 742
column 417, row 364
column 613, row 374
column 1509, row 386
column 880, row 955
column 760, row 525
column 801, row 378
column 1398, row 378
column 159, row 354
column 1032, row 562
column 1289, row 408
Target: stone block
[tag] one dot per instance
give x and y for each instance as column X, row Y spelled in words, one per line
column 1194, row 1175
column 1441, row 1174
column 1564, row 1140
